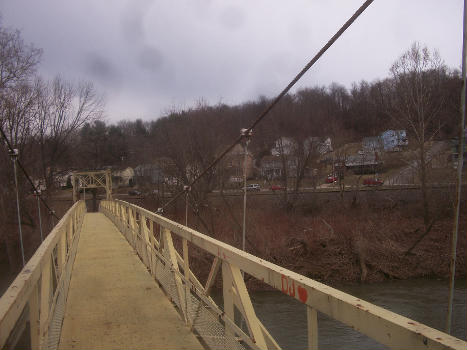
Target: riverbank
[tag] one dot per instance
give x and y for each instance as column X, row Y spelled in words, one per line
column 370, row 240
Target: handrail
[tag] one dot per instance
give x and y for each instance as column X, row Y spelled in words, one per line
column 39, row 291
column 384, row 326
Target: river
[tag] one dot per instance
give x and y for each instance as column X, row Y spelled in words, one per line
column 422, row 300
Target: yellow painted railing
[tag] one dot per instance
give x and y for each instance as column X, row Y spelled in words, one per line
column 38, row 294
column 152, row 236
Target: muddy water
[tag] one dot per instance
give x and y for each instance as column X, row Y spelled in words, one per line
column 424, row 301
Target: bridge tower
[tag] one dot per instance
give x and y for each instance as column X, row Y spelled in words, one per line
column 92, row 179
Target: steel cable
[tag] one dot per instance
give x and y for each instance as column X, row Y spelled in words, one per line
column 331, row 41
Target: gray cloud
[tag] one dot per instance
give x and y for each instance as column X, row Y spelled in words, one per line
column 132, row 18
column 151, row 59
column 232, row 17
column 101, row 69
column 150, row 55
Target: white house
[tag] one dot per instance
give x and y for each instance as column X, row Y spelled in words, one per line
column 321, row 145
column 284, row 146
column 288, row 146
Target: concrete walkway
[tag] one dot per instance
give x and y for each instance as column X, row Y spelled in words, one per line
column 113, row 302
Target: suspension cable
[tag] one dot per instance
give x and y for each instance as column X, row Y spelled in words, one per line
column 331, row 41
column 11, row 149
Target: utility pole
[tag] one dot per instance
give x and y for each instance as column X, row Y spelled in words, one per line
column 246, row 136
column 52, row 214
column 38, row 194
column 14, row 158
column 187, row 190
column 460, row 165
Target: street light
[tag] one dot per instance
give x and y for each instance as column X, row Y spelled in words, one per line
column 246, row 137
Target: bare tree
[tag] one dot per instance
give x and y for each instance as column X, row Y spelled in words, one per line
column 417, row 81
column 17, row 113
column 63, row 108
column 18, row 61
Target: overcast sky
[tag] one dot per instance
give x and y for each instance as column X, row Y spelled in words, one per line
column 147, row 57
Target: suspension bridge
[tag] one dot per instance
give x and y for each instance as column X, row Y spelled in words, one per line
column 121, row 278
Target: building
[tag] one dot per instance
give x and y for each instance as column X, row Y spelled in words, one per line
column 320, row 145
column 63, row 179
column 272, row 167
column 394, row 140
column 234, row 162
column 364, row 163
column 288, row 146
column 148, row 174
column 284, row 146
column 123, row 177
column 372, row 144
column 162, row 170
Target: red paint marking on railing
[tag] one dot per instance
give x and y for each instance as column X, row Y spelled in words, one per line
column 302, row 294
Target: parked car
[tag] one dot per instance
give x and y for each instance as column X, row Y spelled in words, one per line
column 253, row 187
column 372, row 181
column 331, row 179
column 134, row 193
column 277, row 188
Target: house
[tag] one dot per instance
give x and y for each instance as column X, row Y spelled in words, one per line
column 371, row 144
column 322, row 145
column 148, row 174
column 123, row 177
column 394, row 140
column 284, row 146
column 39, row 184
column 286, row 149
column 63, row 179
column 288, row 146
column 272, row 167
column 364, row 163
column 162, row 170
column 234, row 163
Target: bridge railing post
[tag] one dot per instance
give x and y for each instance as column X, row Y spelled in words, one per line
column 172, row 256
column 134, row 228
column 186, row 270
column 45, row 300
column 125, row 222
column 145, row 245
column 152, row 246
column 312, row 323
column 61, row 253
column 34, row 318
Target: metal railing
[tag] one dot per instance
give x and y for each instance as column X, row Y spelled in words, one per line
column 37, row 297
column 236, row 324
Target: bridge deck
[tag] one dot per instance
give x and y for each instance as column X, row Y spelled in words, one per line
column 113, row 301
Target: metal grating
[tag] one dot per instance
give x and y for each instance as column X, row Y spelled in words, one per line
column 61, row 294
